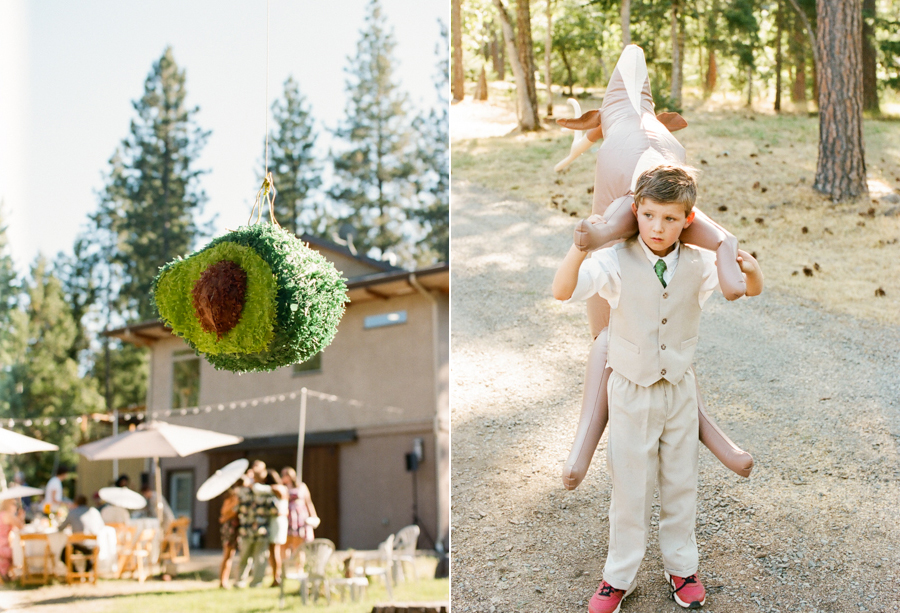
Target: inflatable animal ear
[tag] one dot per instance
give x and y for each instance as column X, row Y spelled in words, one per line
column 255, row 299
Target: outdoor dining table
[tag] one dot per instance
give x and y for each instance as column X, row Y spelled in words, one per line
column 142, row 523
column 106, row 542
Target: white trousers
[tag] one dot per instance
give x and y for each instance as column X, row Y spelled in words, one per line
column 653, row 436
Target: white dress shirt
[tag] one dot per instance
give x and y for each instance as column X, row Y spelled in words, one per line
column 601, row 274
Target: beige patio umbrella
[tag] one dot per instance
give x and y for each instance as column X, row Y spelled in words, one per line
column 156, row 439
column 15, row 443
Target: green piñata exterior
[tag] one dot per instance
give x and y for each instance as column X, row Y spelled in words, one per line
column 293, row 304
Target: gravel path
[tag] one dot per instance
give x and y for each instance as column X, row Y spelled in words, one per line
column 815, row 397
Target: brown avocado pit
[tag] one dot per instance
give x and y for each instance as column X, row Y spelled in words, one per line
column 218, row 297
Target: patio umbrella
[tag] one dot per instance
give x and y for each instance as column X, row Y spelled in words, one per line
column 156, row 439
column 122, row 497
column 15, row 443
column 19, row 491
column 222, row 479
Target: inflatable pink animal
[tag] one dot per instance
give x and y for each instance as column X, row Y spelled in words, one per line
column 634, row 140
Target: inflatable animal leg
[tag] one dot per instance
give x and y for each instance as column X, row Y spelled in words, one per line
column 620, row 223
column 594, row 414
column 706, row 233
column 729, row 454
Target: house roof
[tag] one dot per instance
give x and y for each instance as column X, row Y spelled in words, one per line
column 365, row 288
column 324, row 243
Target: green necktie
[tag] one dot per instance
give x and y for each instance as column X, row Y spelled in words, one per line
column 660, row 268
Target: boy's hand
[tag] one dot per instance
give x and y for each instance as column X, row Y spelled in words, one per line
column 752, row 271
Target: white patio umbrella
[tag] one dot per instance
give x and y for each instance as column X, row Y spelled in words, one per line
column 156, row 439
column 15, row 443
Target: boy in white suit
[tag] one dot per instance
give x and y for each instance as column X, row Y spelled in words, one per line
column 656, row 287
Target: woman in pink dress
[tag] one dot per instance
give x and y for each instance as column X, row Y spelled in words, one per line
column 11, row 517
column 300, row 510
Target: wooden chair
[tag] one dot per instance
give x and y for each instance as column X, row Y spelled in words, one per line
column 138, row 559
column 174, row 546
column 74, row 558
column 405, row 551
column 37, row 568
column 125, row 542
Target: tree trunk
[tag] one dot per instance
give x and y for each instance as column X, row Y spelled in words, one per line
column 798, row 50
column 526, row 110
column 497, row 58
column 808, row 27
column 749, row 86
column 548, row 48
column 625, row 17
column 711, row 32
column 459, row 79
column 778, row 59
column 525, row 47
column 870, row 79
column 481, row 90
column 571, row 79
column 841, row 168
column 677, row 55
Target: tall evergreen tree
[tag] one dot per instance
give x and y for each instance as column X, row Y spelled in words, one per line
column 293, row 164
column 152, row 196
column 374, row 172
column 45, row 379
column 434, row 177
column 9, row 294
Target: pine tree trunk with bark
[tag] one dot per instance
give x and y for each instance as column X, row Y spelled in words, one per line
column 625, row 17
column 869, row 59
column 525, row 47
column 841, row 169
column 459, row 78
column 677, row 53
column 548, row 49
column 779, row 30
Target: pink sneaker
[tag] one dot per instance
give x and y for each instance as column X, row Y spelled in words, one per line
column 689, row 592
column 607, row 599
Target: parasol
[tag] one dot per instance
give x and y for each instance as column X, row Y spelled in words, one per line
column 222, row 479
column 19, row 491
column 156, row 439
column 122, row 497
column 15, row 443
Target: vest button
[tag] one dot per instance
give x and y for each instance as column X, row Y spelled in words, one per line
column 663, row 372
column 665, row 294
column 663, row 347
column 664, row 320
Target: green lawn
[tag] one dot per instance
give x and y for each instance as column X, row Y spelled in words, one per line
column 266, row 599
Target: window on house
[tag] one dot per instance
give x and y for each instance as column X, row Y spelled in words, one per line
column 185, row 379
column 181, row 492
column 312, row 365
column 384, row 319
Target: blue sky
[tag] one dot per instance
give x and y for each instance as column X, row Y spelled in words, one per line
column 69, row 72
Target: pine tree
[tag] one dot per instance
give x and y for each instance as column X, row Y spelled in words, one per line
column 9, row 294
column 434, row 176
column 152, row 198
column 374, row 173
column 293, row 164
column 45, row 379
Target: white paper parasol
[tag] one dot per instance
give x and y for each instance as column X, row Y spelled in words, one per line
column 122, row 497
column 19, row 491
column 156, row 439
column 222, row 479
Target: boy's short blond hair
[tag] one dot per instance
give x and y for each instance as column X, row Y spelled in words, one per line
column 668, row 184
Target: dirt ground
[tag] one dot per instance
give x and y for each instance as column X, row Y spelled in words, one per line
column 813, row 394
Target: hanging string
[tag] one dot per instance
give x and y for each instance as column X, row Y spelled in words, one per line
column 267, row 191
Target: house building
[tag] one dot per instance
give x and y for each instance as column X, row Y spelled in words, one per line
column 376, row 444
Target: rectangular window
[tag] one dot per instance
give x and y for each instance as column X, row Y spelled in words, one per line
column 385, row 319
column 185, row 379
column 181, row 492
column 312, row 365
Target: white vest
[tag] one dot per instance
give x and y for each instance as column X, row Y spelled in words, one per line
column 653, row 332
